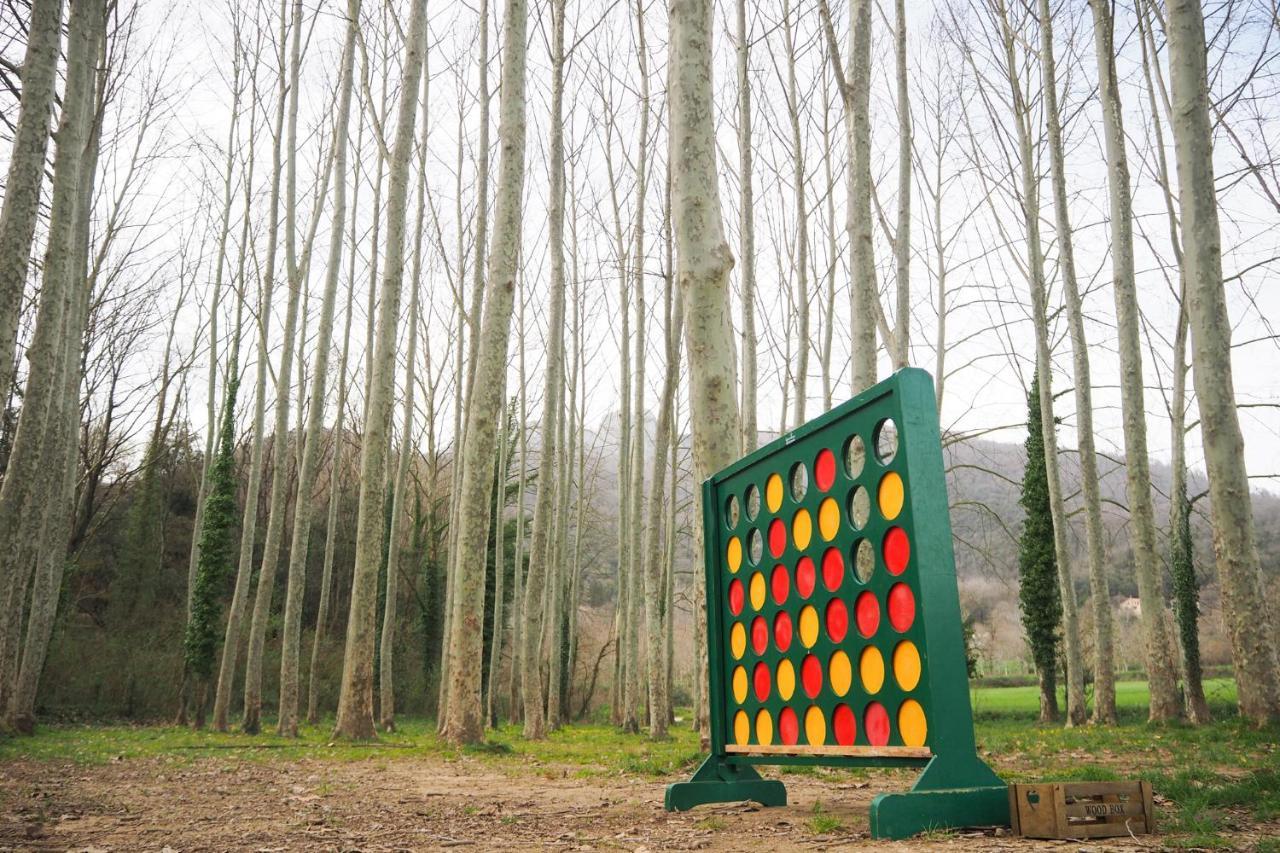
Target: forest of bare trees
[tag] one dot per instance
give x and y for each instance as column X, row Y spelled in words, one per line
column 362, row 358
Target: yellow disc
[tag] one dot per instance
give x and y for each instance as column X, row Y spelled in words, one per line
column 808, row 625
column 734, row 554
column 906, row 665
column 757, row 590
column 741, row 728
column 871, row 669
column 840, row 671
column 802, row 529
column 773, row 492
column 891, row 495
column 815, row 726
column 738, row 640
column 829, row 519
column 740, row 684
column 912, row 724
column 764, row 728
column 786, row 680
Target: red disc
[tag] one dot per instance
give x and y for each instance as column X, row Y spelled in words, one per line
column 867, row 613
column 759, row 635
column 875, row 720
column 832, row 568
column 735, row 596
column 761, row 679
column 811, row 676
column 845, row 725
column 837, row 620
column 902, row 607
column 782, row 630
column 897, row 550
column 777, row 537
column 805, row 577
column 780, row 584
column 788, row 727
column 824, row 470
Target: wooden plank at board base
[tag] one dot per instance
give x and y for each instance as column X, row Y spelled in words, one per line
column 1065, row 810
column 831, row 749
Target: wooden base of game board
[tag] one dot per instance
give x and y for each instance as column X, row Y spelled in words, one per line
column 717, row 781
column 951, row 792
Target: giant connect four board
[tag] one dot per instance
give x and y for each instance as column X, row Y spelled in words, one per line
column 834, row 628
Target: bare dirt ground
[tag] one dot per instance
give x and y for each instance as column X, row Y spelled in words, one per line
column 163, row 804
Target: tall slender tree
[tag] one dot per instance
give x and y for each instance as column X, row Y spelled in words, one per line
column 1142, row 527
column 543, row 510
column 463, row 715
column 308, row 471
column 355, row 703
column 1244, row 608
column 1104, row 683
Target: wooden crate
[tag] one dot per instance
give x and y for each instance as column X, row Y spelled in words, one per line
column 1081, row 809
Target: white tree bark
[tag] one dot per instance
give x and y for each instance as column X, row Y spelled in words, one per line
column 1142, row 528
column 747, row 229
column 1239, row 571
column 251, row 720
column 1104, row 656
column 309, row 469
column 535, row 723
column 249, row 520
column 1076, row 711
column 355, row 704
column 464, row 714
column 21, row 203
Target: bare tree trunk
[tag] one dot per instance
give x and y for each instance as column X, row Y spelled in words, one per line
column 902, row 233
column 655, row 588
column 855, row 92
column 21, row 204
column 469, row 318
column 703, row 256
column 703, row 262
column 747, row 228
column 408, row 451
column 464, row 715
column 829, row 311
column 518, row 594
column 1076, row 711
column 355, row 704
column 308, row 470
column 1142, row 528
column 248, row 526
column 60, row 447
column 1244, row 605
column 251, row 721
column 27, row 495
column 1185, row 589
column 800, row 258
column 535, row 723
column 1104, row 710
column 635, row 505
column 499, row 572
column 337, row 443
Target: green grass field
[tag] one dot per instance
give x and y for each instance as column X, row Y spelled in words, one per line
column 1216, row 784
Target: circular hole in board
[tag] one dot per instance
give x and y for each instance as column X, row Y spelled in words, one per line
column 886, row 441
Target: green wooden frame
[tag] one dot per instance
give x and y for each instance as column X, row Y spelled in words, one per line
column 955, row 787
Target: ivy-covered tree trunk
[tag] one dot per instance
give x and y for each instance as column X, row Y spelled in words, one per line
column 1038, row 593
column 199, row 644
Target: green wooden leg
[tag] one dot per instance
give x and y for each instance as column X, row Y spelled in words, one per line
column 949, row 793
column 718, row 782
